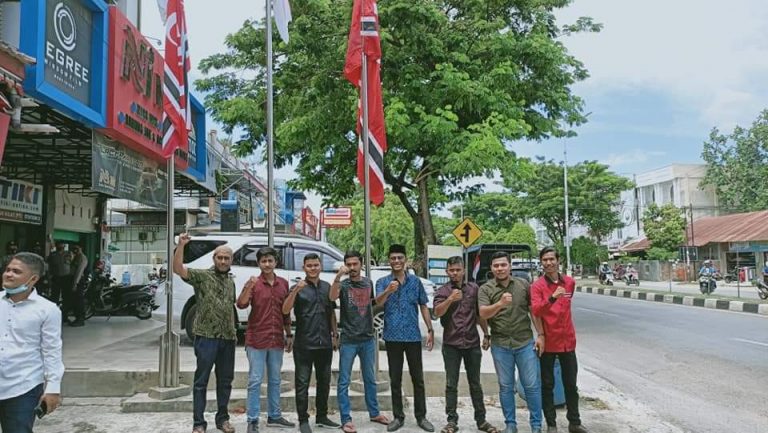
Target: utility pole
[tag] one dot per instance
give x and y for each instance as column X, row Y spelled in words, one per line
column 567, row 239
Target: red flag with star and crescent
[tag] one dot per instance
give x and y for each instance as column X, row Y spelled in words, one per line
column 177, row 119
column 364, row 38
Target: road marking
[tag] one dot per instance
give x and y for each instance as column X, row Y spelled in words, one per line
column 598, row 312
column 756, row 343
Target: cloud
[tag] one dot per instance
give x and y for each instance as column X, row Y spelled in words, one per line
column 632, row 158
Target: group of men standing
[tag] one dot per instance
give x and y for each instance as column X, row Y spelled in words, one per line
column 504, row 308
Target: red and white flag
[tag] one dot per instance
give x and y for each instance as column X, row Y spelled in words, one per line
column 364, row 38
column 476, row 267
column 177, row 119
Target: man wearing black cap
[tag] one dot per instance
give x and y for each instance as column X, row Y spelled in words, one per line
column 403, row 296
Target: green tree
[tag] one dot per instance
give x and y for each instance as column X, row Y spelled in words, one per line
column 664, row 227
column 737, row 166
column 461, row 79
column 492, row 211
column 593, row 194
column 588, row 253
column 390, row 224
column 519, row 233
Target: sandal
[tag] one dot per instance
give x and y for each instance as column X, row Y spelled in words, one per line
column 450, row 428
column 348, row 428
column 487, row 428
column 381, row 419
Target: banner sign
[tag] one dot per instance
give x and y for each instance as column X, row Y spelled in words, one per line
column 333, row 217
column 21, row 201
column 135, row 89
column 67, row 39
column 198, row 148
column 124, row 173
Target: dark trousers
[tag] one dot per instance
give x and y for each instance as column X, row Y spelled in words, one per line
column 210, row 352
column 569, row 370
column 74, row 301
column 304, row 360
column 59, row 285
column 397, row 352
column 472, row 358
column 17, row 414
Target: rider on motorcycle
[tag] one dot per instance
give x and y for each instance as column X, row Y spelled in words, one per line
column 707, row 270
column 604, row 270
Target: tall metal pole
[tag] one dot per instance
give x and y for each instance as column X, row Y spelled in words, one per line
column 169, row 341
column 270, row 138
column 567, row 213
column 367, row 184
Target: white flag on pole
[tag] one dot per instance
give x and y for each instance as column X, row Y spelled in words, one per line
column 282, row 17
column 163, row 6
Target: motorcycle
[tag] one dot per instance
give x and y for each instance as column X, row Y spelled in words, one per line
column 762, row 289
column 105, row 297
column 731, row 276
column 630, row 277
column 707, row 284
column 607, row 278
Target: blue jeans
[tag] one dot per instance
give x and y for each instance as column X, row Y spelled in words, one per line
column 210, row 352
column 527, row 363
column 17, row 414
column 258, row 360
column 367, row 353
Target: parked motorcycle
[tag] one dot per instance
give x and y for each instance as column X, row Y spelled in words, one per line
column 631, row 277
column 707, row 284
column 762, row 289
column 105, row 297
column 731, row 276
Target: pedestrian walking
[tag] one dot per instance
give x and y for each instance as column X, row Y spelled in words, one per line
column 456, row 306
column 268, row 335
column 31, row 366
column 315, row 339
column 551, row 301
column 215, row 333
column 403, row 298
column 505, row 302
column 357, row 338
column 74, row 295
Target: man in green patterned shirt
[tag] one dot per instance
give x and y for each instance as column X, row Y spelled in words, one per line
column 214, row 329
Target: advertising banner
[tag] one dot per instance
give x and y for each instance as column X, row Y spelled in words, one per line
column 67, row 39
column 124, row 173
column 135, row 89
column 21, row 201
column 197, row 161
column 336, row 217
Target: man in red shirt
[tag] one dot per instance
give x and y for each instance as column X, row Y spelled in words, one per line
column 551, row 298
column 268, row 334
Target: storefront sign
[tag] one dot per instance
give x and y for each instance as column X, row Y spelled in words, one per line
column 66, row 37
column 124, row 173
column 21, row 201
column 198, row 148
column 135, row 88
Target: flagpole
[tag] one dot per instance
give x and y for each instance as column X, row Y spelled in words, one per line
column 169, row 341
column 270, row 138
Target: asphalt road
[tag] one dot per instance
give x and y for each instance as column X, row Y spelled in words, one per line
column 700, row 370
column 742, row 290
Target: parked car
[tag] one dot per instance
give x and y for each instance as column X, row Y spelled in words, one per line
column 291, row 250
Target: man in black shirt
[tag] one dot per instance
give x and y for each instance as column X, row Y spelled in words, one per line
column 357, row 338
column 316, row 337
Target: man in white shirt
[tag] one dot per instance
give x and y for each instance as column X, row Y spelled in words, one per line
column 30, row 346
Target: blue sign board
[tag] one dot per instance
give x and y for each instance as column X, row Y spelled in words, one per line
column 68, row 38
column 198, row 150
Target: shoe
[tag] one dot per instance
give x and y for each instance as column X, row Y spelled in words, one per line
column 551, row 429
column 79, row 323
column 426, row 425
column 395, row 424
column 323, row 421
column 510, row 429
column 253, row 427
column 381, row 419
column 280, row 422
column 304, row 427
column 577, row 428
column 226, row 427
column 198, row 429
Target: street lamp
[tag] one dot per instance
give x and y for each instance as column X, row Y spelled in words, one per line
column 567, row 239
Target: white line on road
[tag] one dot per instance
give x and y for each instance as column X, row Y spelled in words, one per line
column 598, row 312
column 756, row 343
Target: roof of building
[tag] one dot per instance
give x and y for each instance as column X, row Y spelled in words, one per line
column 742, row 227
column 641, row 244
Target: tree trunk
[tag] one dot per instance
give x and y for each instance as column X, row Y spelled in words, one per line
column 423, row 228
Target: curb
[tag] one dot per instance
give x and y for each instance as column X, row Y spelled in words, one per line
column 690, row 301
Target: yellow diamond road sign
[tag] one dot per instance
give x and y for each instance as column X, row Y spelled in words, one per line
column 467, row 232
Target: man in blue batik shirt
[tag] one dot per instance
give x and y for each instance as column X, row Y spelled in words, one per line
column 403, row 297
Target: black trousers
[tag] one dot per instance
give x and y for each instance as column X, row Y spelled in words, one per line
column 59, row 285
column 397, row 353
column 304, row 360
column 472, row 357
column 74, row 301
column 569, row 370
column 212, row 352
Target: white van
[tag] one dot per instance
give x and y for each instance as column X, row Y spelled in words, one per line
column 291, row 251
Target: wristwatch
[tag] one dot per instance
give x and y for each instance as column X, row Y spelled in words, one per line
column 335, row 334
column 430, row 331
column 288, row 335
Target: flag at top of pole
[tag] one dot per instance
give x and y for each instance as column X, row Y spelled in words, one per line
column 282, row 13
column 364, row 38
column 177, row 119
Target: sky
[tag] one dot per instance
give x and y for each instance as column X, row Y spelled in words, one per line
column 663, row 73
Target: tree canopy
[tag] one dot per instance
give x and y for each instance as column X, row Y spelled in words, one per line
column 461, row 79
column 737, row 166
column 664, row 227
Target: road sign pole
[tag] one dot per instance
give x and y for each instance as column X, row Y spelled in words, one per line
column 466, row 266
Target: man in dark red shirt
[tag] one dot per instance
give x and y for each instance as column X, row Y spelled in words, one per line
column 456, row 306
column 268, row 334
column 551, row 301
